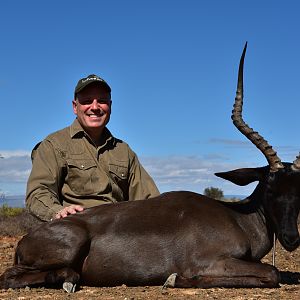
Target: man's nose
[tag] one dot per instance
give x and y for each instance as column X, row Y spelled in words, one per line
column 94, row 104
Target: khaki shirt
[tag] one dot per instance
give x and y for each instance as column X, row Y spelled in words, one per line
column 69, row 169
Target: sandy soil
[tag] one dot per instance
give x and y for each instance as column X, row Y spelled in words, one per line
column 287, row 263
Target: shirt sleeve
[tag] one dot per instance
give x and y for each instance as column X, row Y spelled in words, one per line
column 42, row 195
column 141, row 185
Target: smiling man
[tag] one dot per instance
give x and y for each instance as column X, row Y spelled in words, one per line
column 84, row 165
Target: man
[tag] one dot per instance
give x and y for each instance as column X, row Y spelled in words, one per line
column 83, row 165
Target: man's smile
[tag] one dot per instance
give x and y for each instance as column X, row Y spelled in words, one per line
column 95, row 116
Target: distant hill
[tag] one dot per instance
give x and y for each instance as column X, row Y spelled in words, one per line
column 19, row 200
column 235, row 196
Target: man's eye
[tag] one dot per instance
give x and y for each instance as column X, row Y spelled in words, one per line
column 85, row 101
column 89, row 101
column 103, row 101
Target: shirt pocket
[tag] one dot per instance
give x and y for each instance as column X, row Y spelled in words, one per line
column 81, row 176
column 120, row 171
column 119, row 174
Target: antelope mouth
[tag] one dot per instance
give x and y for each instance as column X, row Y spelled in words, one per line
column 289, row 242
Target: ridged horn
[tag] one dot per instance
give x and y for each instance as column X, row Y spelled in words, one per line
column 296, row 163
column 271, row 156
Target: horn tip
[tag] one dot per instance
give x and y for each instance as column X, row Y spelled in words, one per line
column 296, row 163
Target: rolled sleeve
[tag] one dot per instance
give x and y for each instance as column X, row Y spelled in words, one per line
column 141, row 185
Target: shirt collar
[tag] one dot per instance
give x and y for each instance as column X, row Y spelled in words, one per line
column 76, row 130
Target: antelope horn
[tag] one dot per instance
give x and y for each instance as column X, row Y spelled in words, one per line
column 296, row 163
column 254, row 137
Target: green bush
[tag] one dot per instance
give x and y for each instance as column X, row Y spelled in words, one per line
column 214, row 193
column 8, row 211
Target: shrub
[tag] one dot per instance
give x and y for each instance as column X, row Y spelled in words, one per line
column 8, row 211
column 16, row 221
column 214, row 193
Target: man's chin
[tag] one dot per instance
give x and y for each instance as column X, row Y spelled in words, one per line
column 95, row 124
column 95, row 121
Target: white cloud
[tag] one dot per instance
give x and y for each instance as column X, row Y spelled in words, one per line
column 14, row 153
column 192, row 173
column 15, row 167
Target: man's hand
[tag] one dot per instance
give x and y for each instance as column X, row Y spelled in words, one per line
column 69, row 210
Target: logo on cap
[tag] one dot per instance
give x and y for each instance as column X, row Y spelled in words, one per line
column 92, row 78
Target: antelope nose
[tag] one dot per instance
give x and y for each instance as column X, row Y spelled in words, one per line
column 290, row 242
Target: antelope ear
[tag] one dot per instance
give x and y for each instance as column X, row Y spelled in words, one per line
column 244, row 176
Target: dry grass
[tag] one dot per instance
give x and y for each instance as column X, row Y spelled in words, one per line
column 18, row 224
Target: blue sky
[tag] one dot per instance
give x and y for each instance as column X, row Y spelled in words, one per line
column 172, row 66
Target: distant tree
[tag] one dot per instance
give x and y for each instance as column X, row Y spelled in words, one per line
column 214, row 193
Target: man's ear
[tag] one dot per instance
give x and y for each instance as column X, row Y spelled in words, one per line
column 74, row 104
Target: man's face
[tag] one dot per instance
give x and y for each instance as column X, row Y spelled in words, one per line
column 93, row 108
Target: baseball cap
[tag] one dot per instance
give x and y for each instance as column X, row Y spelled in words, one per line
column 83, row 82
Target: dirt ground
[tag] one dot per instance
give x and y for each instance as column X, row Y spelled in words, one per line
column 287, row 263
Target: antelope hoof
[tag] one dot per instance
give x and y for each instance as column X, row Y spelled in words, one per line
column 170, row 282
column 69, row 287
